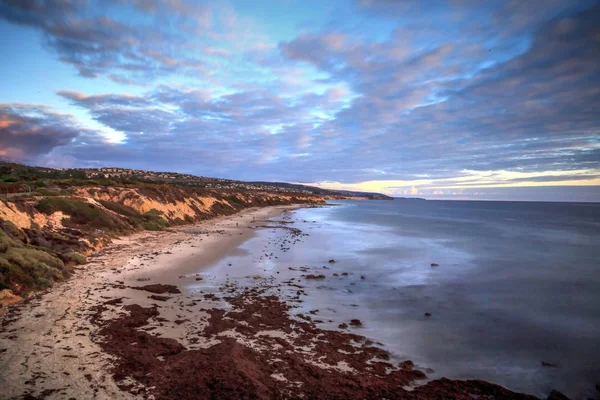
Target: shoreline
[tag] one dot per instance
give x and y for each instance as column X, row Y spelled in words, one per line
column 45, row 340
column 80, row 339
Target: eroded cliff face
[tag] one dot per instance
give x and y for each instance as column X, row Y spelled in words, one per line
column 17, row 215
column 43, row 238
column 177, row 205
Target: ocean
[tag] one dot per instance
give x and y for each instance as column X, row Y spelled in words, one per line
column 516, row 284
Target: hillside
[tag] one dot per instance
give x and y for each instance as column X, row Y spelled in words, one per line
column 49, row 225
column 19, row 173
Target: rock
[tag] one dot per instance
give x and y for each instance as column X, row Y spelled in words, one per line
column 407, row 365
column 343, row 326
column 336, row 274
column 311, row 276
column 355, row 322
column 362, row 277
column 428, row 314
column 547, row 364
column 556, row 395
column 344, row 274
column 332, row 261
column 198, row 279
column 7, row 297
column 435, row 265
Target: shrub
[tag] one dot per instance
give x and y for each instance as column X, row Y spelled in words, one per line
column 84, row 215
column 234, row 199
column 6, row 239
column 151, row 220
column 74, row 257
column 28, row 268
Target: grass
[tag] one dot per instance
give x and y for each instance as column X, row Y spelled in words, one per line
column 84, row 216
column 151, row 221
column 74, row 257
column 24, row 267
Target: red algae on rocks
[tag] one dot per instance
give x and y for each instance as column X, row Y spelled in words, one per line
column 257, row 350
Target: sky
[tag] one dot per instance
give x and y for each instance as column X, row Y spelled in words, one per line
column 456, row 99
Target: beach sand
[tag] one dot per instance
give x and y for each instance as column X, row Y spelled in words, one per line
column 146, row 319
column 46, row 343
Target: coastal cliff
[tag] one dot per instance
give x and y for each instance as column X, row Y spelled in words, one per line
column 43, row 238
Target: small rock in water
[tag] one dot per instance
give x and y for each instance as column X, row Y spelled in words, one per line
column 547, row 364
column 407, row 365
column 435, row 265
column 311, row 276
column 332, row 261
column 362, row 277
column 355, row 322
column 344, row 274
column 342, row 326
column 428, row 314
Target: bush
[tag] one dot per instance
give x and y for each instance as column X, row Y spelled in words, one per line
column 83, row 215
column 28, row 268
column 152, row 220
column 74, row 257
column 234, row 199
column 6, row 239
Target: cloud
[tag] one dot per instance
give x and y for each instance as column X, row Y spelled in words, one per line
column 419, row 96
column 132, row 41
column 439, row 111
column 28, row 131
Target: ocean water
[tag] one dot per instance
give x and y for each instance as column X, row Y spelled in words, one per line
column 517, row 284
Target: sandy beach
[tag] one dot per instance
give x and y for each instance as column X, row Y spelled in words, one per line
column 46, row 343
column 146, row 319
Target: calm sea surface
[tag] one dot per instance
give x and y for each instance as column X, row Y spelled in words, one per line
column 517, row 284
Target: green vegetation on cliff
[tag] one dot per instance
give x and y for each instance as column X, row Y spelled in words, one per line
column 24, row 266
column 49, row 227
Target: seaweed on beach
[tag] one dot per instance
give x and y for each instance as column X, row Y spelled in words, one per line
column 277, row 357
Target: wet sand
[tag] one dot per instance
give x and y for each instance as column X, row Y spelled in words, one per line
column 146, row 318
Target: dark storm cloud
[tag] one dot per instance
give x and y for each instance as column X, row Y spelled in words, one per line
column 28, row 131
